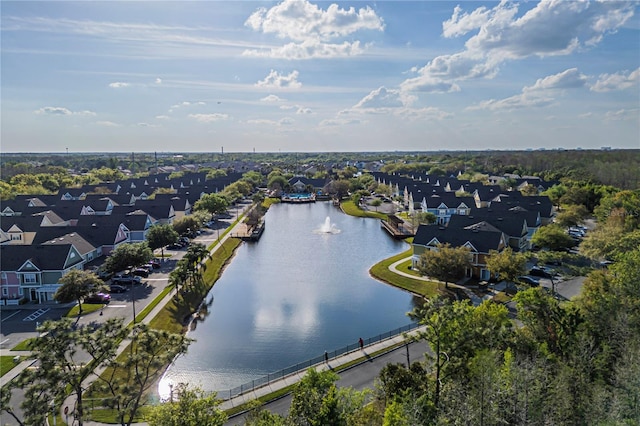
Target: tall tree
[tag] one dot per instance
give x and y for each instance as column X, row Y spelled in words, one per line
column 212, row 203
column 128, row 255
column 446, row 263
column 552, row 237
column 507, row 264
column 127, row 381
column 191, row 408
column 67, row 355
column 76, row 285
column 160, row 236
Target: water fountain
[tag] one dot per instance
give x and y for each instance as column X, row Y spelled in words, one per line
column 328, row 227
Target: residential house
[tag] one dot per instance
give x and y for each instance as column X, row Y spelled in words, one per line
column 479, row 242
column 32, row 271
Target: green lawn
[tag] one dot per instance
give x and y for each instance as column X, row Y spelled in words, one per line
column 381, row 272
column 87, row 308
column 6, row 364
column 351, row 209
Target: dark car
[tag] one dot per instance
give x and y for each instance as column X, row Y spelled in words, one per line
column 537, row 271
column 529, row 280
column 141, row 272
column 155, row 264
column 98, row 298
column 117, row 288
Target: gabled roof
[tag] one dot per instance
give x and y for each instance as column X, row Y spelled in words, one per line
column 481, row 241
column 136, row 220
column 39, row 257
column 62, row 236
column 512, row 224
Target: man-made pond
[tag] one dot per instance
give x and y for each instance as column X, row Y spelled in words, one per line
column 302, row 289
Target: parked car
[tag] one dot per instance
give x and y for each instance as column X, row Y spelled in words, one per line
column 126, row 279
column 141, row 272
column 538, row 271
column 155, row 264
column 175, row 246
column 98, row 298
column 529, row 280
column 117, row 288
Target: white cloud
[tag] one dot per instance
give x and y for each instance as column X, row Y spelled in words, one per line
column 275, row 79
column 538, row 95
column 394, row 102
column 107, row 124
column 62, row 111
column 618, row 81
column 286, row 121
column 523, row 100
column 384, row 98
column 162, row 117
column 622, row 114
column 313, row 31
column 303, row 110
column 119, row 85
column 550, row 28
column 185, row 104
column 568, row 79
column 331, row 122
column 460, row 24
column 158, row 81
column 208, row 118
column 272, row 98
column 147, row 125
column 309, row 49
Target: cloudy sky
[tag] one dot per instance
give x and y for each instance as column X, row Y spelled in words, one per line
column 298, row 75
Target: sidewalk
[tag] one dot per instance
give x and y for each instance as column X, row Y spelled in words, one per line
column 357, row 357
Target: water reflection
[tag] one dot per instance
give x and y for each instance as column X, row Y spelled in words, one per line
column 291, row 296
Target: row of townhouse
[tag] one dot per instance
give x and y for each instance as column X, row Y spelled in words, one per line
column 468, row 214
column 43, row 237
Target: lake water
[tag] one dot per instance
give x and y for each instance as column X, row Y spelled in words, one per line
column 302, row 289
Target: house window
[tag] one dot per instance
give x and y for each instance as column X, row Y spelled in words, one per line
column 29, row 279
column 442, row 212
column 5, row 291
column 16, row 237
column 20, row 291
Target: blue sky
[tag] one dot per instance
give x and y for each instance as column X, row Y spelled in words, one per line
column 319, row 76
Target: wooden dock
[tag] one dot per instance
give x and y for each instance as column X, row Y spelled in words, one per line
column 249, row 233
column 397, row 228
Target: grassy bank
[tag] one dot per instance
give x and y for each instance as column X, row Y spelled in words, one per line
column 381, row 272
column 350, row 208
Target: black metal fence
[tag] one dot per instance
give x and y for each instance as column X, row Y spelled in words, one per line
column 265, row 380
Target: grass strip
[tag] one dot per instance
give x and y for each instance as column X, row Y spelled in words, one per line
column 6, row 364
column 380, row 271
column 25, row 345
column 350, row 208
column 87, row 308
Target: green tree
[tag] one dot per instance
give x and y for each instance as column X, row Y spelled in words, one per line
column 571, row 215
column 160, row 236
column 446, row 263
column 129, row 379
column 61, row 352
column 128, row 255
column 507, row 264
column 76, row 285
column 552, row 237
column 187, row 224
column 212, row 203
column 192, row 408
column 308, row 404
column 376, row 202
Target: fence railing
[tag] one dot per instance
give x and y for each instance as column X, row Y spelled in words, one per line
column 271, row 377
